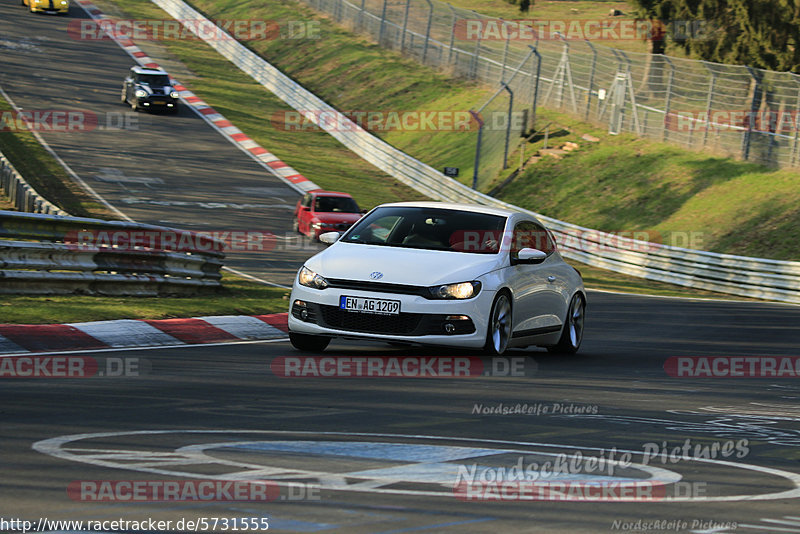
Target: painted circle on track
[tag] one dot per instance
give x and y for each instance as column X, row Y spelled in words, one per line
column 391, row 464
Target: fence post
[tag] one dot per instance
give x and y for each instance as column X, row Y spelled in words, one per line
column 634, row 106
column 793, row 157
column 508, row 127
column 361, row 16
column 591, row 80
column 709, row 101
column 505, row 56
column 427, row 31
column 754, row 103
column 405, row 27
column 338, row 11
column 535, row 84
column 668, row 96
column 473, row 71
column 383, row 23
column 478, row 119
column 452, row 34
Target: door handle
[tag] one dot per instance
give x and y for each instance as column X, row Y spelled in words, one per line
column 551, row 278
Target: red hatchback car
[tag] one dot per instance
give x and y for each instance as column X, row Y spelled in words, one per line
column 325, row 211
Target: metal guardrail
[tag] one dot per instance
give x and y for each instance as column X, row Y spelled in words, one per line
column 21, row 194
column 51, row 254
column 725, row 273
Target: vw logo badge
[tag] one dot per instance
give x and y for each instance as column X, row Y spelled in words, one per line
column 376, row 275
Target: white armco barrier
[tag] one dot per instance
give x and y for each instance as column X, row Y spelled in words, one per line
column 21, row 194
column 735, row 275
column 52, row 254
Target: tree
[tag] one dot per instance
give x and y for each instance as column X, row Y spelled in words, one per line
column 758, row 33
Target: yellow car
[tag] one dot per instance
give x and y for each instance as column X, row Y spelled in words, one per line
column 56, row 7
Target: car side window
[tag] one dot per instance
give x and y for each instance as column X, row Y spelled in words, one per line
column 306, row 200
column 528, row 234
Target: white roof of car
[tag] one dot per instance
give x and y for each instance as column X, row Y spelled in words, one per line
column 457, row 206
column 148, row 70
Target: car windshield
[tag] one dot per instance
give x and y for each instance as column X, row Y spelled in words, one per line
column 336, row 204
column 154, row 80
column 429, row 228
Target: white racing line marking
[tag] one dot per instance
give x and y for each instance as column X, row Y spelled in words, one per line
column 157, row 347
column 255, row 278
column 56, row 447
column 66, row 167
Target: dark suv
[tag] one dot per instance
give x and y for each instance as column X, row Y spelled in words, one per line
column 147, row 88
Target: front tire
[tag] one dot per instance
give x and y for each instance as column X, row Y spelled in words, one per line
column 499, row 331
column 308, row 343
column 572, row 335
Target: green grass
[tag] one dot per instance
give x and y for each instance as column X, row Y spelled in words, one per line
column 44, row 173
column 237, row 297
column 682, row 198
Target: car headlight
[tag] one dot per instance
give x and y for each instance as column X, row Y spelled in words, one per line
column 140, row 93
column 464, row 290
column 64, row 3
column 319, row 225
column 309, row 278
column 175, row 94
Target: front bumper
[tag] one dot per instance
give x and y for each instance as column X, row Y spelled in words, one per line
column 420, row 321
column 55, row 10
column 157, row 102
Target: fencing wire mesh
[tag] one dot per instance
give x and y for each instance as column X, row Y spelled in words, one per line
column 503, row 118
column 730, row 110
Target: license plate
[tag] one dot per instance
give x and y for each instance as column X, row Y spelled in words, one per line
column 370, row 305
column 159, row 102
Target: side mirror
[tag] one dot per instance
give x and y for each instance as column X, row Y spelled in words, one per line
column 329, row 238
column 531, row 255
